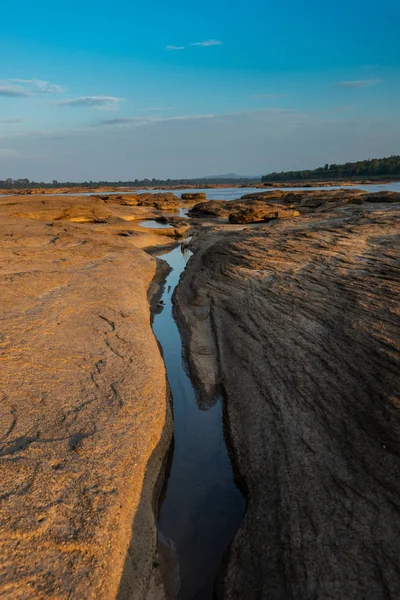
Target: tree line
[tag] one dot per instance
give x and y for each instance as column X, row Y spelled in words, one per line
column 374, row 167
column 11, row 184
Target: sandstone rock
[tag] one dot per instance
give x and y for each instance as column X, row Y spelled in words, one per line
column 160, row 201
column 303, row 337
column 304, row 201
column 194, row 196
column 266, row 196
column 85, row 420
column 214, row 208
column 259, row 211
column 163, row 201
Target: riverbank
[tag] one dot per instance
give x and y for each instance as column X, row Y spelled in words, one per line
column 297, row 321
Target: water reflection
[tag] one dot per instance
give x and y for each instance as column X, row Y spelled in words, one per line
column 201, row 505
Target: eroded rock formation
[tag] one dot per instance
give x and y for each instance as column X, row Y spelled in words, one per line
column 249, row 208
column 85, row 420
column 298, row 322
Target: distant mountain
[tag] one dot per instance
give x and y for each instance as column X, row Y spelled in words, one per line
column 232, row 176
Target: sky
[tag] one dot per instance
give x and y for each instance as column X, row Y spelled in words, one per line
column 101, row 90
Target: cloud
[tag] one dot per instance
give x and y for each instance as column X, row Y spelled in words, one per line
column 9, row 121
column 100, row 102
column 22, row 88
column 128, row 122
column 207, row 43
column 149, row 120
column 120, row 121
column 40, row 87
column 171, row 48
column 247, row 142
column 9, row 91
column 155, row 109
column 360, row 83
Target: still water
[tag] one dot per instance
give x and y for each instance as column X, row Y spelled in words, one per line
column 201, row 506
column 151, row 224
column 235, row 193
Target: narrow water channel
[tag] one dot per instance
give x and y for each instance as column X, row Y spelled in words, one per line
column 201, row 506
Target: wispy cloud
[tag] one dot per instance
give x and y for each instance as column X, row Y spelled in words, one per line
column 23, row 88
column 121, row 121
column 100, row 102
column 172, row 48
column 207, row 43
column 10, row 91
column 147, row 120
column 127, row 122
column 359, row 83
column 155, row 109
column 39, row 86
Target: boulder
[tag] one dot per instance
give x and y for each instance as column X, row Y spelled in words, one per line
column 259, row 212
column 198, row 196
column 212, row 208
column 384, row 196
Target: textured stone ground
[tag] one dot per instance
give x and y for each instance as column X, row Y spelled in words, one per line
column 85, row 419
column 298, row 321
column 279, row 204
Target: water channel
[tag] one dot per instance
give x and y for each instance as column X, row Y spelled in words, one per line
column 201, row 507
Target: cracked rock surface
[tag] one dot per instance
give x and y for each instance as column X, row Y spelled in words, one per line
column 298, row 321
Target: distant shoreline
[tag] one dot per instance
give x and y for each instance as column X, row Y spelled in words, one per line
column 269, row 184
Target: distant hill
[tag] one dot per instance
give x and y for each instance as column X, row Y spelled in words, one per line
column 373, row 167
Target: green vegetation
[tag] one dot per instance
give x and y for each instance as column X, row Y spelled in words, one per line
column 374, row 167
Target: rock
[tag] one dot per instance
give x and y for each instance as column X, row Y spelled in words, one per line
column 128, row 200
column 303, row 337
column 304, row 201
column 309, row 199
column 259, row 211
column 194, row 196
column 265, row 196
column 213, row 208
column 384, row 196
column 85, row 418
column 163, row 201
column 160, row 201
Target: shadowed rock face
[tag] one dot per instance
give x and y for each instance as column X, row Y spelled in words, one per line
column 299, row 322
column 84, row 408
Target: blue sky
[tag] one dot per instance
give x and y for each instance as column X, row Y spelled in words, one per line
column 120, row 90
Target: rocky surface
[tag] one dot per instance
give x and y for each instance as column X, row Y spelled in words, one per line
column 249, row 208
column 85, row 419
column 159, row 201
column 298, row 321
column 260, row 211
column 194, row 196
